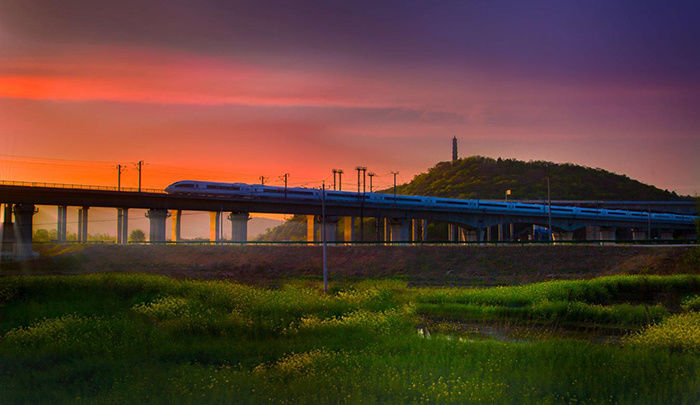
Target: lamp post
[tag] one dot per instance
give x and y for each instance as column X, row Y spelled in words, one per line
column 507, row 194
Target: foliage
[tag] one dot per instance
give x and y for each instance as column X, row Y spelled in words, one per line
column 679, row 333
column 595, row 301
column 137, row 235
column 110, row 338
column 294, row 229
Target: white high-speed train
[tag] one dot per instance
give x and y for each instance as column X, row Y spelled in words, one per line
column 254, row 191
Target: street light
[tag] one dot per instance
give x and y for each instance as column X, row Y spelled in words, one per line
column 507, row 194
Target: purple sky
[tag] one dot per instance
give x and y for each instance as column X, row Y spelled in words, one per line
column 240, row 90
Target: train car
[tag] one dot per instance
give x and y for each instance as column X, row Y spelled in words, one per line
column 190, row 187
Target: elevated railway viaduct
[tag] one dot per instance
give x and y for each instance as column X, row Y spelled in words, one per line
column 487, row 221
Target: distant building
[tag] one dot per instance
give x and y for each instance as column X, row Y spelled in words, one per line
column 454, row 149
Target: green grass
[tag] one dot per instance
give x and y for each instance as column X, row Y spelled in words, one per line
column 147, row 339
column 617, row 301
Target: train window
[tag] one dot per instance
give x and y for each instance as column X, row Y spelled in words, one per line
column 492, row 205
column 186, row 185
column 455, row 202
column 527, row 207
column 218, row 187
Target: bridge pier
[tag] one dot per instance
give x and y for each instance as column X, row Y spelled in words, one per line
column 176, row 231
column 600, row 233
column 61, row 223
column 400, row 230
column 122, row 226
column 8, row 233
column 563, row 236
column 23, row 230
column 157, row 218
column 311, row 234
column 83, row 224
column 215, row 226
column 348, row 229
column 451, row 232
column 638, row 234
column 239, row 226
column 331, row 228
column 415, row 231
column 665, row 234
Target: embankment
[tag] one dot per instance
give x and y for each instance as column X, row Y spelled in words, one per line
column 419, row 265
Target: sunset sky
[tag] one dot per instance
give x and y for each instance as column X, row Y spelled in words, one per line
column 234, row 90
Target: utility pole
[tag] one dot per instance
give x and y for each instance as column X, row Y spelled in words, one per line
column 364, row 180
column 323, row 236
column 549, row 210
column 394, row 173
column 120, row 168
column 262, row 180
column 335, row 171
column 139, row 165
column 286, row 176
column 340, row 179
column 359, row 169
column 370, row 174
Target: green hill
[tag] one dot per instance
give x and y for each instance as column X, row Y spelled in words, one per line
column 487, row 178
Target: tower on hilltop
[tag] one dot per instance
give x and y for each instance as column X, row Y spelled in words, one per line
column 454, row 149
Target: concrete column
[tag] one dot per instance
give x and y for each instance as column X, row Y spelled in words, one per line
column 400, row 230
column 23, row 230
column 563, row 236
column 639, row 234
column 331, row 228
column 83, row 224
column 451, row 232
column 175, row 233
column 461, row 236
column 122, row 226
column 387, row 230
column 239, row 226
column 664, row 234
column 424, row 230
column 471, row 235
column 348, row 229
column 215, row 226
column 415, row 230
column 600, row 233
column 311, row 228
column 157, row 218
column 61, row 223
column 8, row 233
column 502, row 232
column 511, row 232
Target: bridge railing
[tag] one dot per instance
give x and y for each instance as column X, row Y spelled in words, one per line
column 78, row 186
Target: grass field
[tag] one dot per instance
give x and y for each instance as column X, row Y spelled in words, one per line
column 131, row 338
